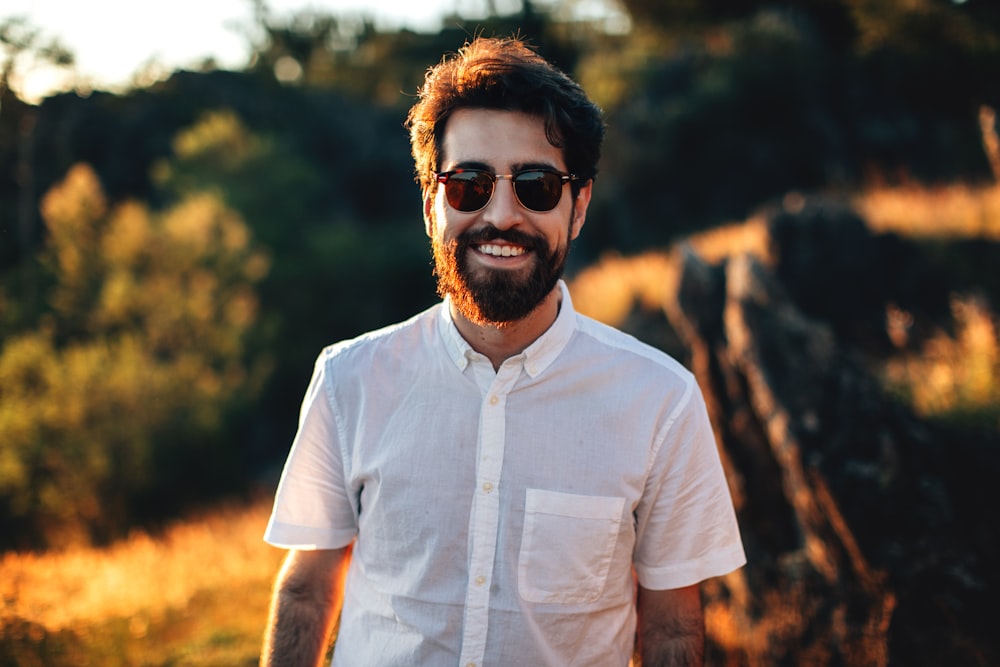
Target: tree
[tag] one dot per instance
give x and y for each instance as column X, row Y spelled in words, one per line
column 22, row 46
column 340, row 218
column 126, row 383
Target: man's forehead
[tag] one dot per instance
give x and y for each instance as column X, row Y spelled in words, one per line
column 497, row 139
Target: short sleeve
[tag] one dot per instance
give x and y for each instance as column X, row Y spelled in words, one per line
column 686, row 525
column 312, row 507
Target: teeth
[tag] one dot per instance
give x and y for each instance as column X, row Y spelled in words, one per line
column 501, row 251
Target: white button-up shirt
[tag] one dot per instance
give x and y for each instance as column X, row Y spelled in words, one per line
column 498, row 516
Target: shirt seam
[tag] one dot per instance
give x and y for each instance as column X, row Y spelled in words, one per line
column 331, row 401
column 672, row 418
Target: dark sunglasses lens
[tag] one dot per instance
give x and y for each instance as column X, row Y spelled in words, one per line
column 468, row 190
column 538, row 190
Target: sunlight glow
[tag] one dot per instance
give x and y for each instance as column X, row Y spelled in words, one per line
column 120, row 43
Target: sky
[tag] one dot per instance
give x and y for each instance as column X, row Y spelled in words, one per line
column 114, row 40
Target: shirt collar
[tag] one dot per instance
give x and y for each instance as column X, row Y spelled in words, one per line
column 457, row 348
column 537, row 356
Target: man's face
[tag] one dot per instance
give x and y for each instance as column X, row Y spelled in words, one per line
column 500, row 262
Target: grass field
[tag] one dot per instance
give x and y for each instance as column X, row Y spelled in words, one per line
column 195, row 595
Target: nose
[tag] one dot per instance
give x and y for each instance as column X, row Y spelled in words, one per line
column 503, row 211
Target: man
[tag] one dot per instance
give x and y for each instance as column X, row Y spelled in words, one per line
column 503, row 468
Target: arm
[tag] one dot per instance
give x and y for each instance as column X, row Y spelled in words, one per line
column 306, row 602
column 671, row 627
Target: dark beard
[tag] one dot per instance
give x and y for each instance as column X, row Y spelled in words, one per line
column 499, row 297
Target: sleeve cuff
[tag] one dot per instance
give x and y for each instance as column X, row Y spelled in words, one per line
column 679, row 575
column 287, row 536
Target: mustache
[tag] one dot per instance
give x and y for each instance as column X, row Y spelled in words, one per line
column 488, row 234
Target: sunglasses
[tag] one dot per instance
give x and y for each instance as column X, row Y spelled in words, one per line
column 470, row 190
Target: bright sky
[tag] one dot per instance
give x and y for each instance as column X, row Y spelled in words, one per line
column 113, row 40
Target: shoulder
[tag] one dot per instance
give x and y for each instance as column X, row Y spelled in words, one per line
column 613, row 344
column 631, row 373
column 407, row 339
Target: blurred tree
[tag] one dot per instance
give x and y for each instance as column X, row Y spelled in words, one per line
column 349, row 252
column 954, row 44
column 938, row 55
column 120, row 392
column 717, row 107
column 256, row 174
column 349, row 54
column 915, row 25
column 706, row 132
column 713, row 108
column 24, row 47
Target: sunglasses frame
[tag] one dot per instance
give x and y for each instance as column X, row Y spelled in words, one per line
column 444, row 176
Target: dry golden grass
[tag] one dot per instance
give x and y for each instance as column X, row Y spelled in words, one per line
column 719, row 243
column 608, row 290
column 611, row 288
column 140, row 574
column 956, row 211
column 198, row 593
column 954, row 374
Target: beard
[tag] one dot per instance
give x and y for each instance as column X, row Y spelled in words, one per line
column 496, row 297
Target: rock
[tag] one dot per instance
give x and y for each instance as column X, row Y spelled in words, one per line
column 866, row 544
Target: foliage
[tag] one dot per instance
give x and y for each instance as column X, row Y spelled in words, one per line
column 313, row 49
column 915, row 26
column 131, row 373
column 715, row 116
column 705, row 131
column 255, row 173
column 344, row 261
column 714, row 107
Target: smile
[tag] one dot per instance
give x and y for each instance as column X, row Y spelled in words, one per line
column 500, row 250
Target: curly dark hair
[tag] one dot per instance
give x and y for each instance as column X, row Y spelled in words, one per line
column 505, row 74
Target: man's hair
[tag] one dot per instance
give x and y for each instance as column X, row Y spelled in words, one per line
column 505, row 74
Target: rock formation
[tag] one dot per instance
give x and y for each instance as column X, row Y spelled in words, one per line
column 869, row 532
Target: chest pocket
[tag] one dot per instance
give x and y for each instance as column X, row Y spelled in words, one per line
column 567, row 546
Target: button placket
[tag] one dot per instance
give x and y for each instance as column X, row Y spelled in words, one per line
column 485, row 517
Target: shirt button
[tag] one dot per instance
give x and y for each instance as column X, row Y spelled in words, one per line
column 487, row 486
column 470, row 664
column 480, row 580
column 493, row 400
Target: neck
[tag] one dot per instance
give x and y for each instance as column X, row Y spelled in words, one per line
column 500, row 342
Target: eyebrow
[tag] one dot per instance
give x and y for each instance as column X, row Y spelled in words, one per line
column 472, row 164
column 517, row 167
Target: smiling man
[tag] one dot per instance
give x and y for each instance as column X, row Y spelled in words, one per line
column 499, row 258
column 499, row 480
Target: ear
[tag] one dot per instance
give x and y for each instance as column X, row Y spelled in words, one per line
column 429, row 196
column 580, row 209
